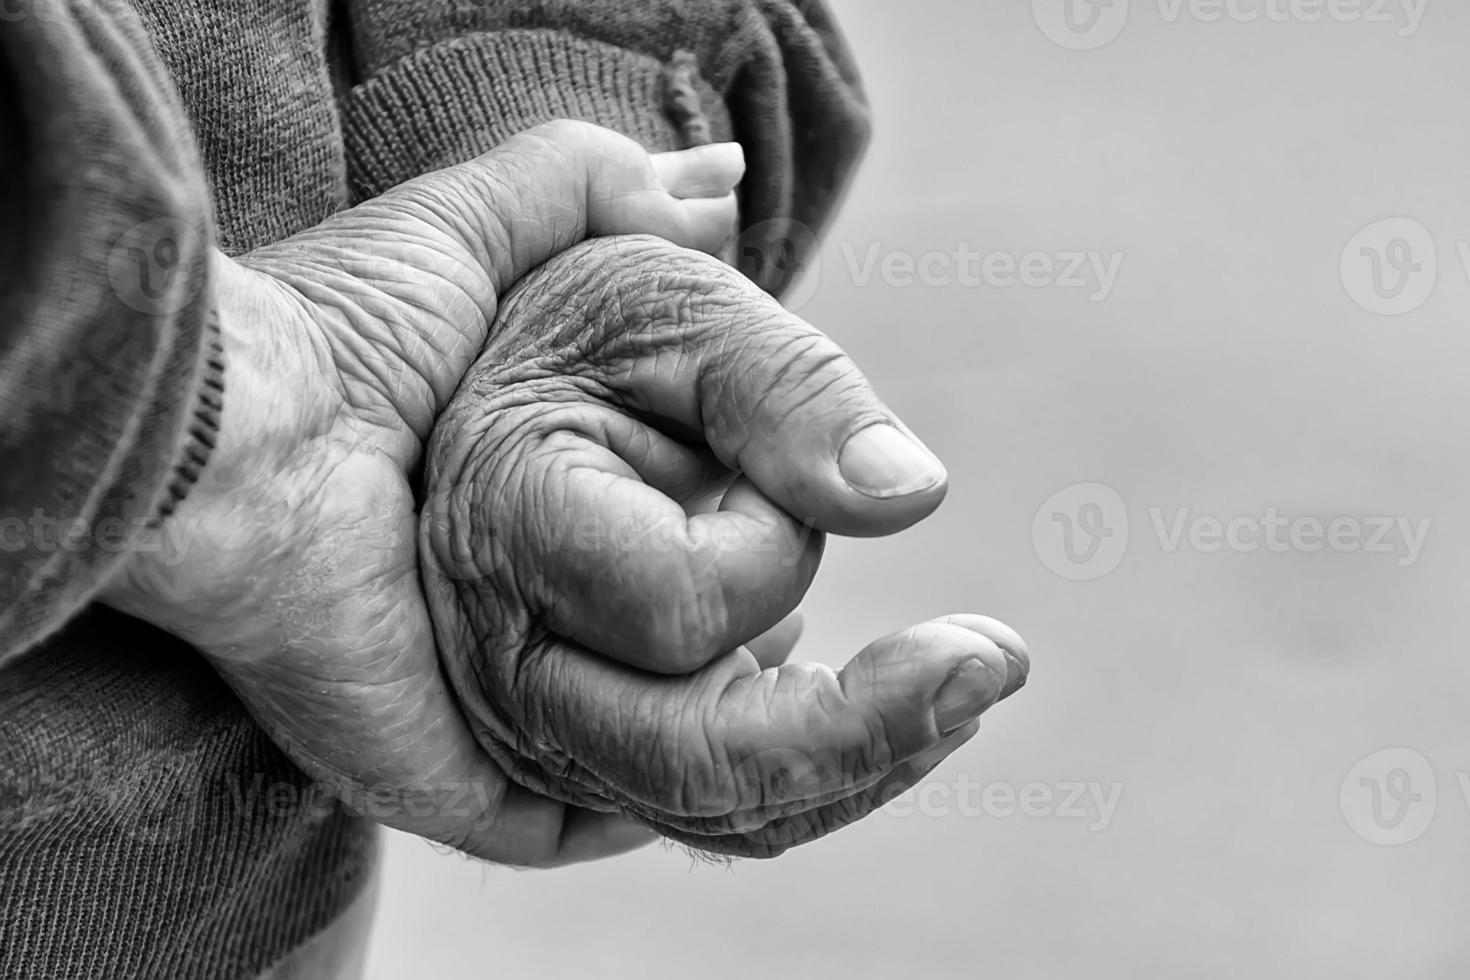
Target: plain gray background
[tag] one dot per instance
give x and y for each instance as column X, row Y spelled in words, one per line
column 1229, row 693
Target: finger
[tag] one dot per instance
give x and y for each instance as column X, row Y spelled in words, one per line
column 683, row 472
column 588, row 498
column 770, row 832
column 1018, row 657
column 590, row 836
column 530, row 830
column 711, row 170
column 780, row 402
column 801, row 827
column 782, row 833
column 695, row 345
column 701, row 753
column 634, row 577
column 773, row 647
column 548, row 188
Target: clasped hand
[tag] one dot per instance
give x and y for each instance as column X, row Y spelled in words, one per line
column 476, row 653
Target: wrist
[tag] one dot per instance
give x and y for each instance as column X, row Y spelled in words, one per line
column 248, row 411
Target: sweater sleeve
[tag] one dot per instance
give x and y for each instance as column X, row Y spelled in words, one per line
column 110, row 367
column 440, row 81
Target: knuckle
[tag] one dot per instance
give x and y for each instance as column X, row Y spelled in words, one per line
column 577, row 143
column 558, row 137
column 573, row 133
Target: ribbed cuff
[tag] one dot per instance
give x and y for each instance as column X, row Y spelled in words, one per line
column 451, row 102
column 203, row 424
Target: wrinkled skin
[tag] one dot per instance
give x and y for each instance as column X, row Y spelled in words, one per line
column 297, row 568
column 299, row 575
column 597, row 634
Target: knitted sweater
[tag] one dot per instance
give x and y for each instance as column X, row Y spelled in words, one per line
column 146, row 825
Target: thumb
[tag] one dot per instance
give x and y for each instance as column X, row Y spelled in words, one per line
column 678, row 337
column 407, row 284
column 550, row 187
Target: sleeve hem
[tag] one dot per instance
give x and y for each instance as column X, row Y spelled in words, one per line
column 203, row 424
column 450, row 102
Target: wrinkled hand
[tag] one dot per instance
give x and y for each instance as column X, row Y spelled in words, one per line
column 597, row 632
column 299, row 573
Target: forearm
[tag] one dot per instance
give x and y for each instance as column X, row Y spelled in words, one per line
column 110, row 379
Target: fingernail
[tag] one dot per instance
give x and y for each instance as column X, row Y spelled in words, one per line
column 708, row 170
column 724, row 156
column 881, row 461
column 1016, row 673
column 1017, row 657
column 711, row 156
column 965, row 694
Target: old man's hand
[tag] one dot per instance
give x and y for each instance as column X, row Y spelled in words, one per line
column 601, row 637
